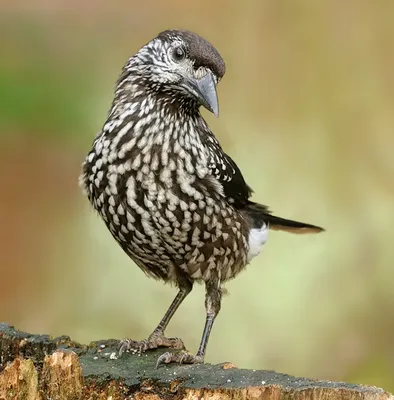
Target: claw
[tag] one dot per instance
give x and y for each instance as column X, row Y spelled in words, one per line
column 153, row 342
column 126, row 345
column 163, row 359
column 123, row 346
column 183, row 357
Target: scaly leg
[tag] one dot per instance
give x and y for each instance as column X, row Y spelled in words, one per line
column 157, row 338
column 212, row 305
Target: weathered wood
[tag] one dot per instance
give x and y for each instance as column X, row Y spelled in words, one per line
column 36, row 367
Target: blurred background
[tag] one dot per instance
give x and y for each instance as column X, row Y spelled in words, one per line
column 306, row 111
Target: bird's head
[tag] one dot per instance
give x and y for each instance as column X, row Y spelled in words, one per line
column 181, row 66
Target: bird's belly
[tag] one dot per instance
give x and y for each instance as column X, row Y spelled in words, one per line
column 165, row 229
column 204, row 235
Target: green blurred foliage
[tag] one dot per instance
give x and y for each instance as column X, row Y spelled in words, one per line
column 306, row 111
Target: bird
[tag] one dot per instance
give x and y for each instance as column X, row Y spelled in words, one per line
column 171, row 197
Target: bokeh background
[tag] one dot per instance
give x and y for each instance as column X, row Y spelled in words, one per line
column 307, row 112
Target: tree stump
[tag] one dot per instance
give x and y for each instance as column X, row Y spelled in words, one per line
column 37, row 367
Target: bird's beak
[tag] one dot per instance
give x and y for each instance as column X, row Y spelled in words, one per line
column 206, row 92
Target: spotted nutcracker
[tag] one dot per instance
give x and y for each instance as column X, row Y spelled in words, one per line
column 175, row 202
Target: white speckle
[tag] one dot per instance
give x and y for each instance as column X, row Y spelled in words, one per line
column 197, row 274
column 155, row 162
column 102, row 346
column 112, row 183
column 228, row 380
column 136, row 163
column 195, row 236
column 130, row 218
column 164, row 157
column 95, row 358
column 263, row 382
column 147, row 158
column 183, row 205
column 165, row 176
column 113, row 356
column 209, row 210
column 201, row 258
column 98, row 146
column 145, row 169
column 91, row 157
column 148, row 228
column 99, row 163
column 130, row 189
column 111, row 201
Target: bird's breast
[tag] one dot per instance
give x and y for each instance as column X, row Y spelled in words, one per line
column 164, row 208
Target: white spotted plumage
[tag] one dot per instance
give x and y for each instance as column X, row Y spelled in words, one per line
column 174, row 201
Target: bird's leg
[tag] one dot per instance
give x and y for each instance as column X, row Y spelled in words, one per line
column 212, row 305
column 156, row 338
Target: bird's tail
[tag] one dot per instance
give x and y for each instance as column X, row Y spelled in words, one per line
column 287, row 225
column 259, row 214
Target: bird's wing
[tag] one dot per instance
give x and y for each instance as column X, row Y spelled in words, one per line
column 226, row 171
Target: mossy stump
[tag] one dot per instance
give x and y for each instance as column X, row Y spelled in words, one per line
column 37, row 367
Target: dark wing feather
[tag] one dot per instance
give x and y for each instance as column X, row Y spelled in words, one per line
column 226, row 171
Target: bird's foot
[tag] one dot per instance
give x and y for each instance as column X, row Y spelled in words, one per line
column 154, row 341
column 182, row 357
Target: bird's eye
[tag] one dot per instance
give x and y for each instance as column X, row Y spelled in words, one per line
column 178, row 54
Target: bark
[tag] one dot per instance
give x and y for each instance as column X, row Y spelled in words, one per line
column 37, row 367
